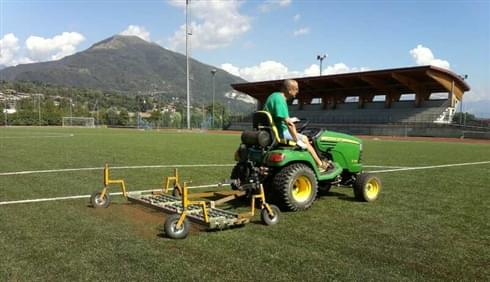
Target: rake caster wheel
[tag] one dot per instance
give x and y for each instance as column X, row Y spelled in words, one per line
column 176, row 192
column 267, row 219
column 98, row 202
column 367, row 187
column 170, row 227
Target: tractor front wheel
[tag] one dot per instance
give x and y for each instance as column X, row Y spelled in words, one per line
column 296, row 186
column 100, row 202
column 367, row 187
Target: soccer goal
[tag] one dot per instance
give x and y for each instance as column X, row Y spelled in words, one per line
column 78, row 121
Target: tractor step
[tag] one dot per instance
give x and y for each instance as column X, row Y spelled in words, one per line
column 217, row 218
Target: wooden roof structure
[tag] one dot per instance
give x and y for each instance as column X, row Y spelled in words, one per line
column 421, row 81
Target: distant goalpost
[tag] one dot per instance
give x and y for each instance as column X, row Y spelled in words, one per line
column 78, row 122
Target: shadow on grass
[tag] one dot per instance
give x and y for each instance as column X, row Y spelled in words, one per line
column 339, row 196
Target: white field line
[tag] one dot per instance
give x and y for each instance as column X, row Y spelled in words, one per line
column 219, row 184
column 39, row 136
column 113, row 167
column 140, row 167
column 387, row 166
column 88, row 196
column 428, row 167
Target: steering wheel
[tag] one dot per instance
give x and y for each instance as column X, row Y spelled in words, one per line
column 302, row 124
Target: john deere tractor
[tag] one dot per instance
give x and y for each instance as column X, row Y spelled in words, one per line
column 290, row 175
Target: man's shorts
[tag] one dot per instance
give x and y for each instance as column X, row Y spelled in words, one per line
column 288, row 136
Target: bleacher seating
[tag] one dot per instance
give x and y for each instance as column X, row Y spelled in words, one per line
column 374, row 112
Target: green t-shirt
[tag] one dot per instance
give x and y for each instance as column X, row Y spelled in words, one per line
column 278, row 108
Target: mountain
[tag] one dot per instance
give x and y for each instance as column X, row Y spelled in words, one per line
column 132, row 66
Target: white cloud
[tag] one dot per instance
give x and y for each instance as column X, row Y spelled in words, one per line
column 267, row 70
column 270, row 70
column 137, row 31
column 231, row 69
column 301, row 31
column 312, row 70
column 296, row 17
column 45, row 49
column 424, row 56
column 214, row 24
column 9, row 46
column 337, row 68
column 269, row 5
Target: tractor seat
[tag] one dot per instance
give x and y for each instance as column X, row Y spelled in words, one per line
column 262, row 120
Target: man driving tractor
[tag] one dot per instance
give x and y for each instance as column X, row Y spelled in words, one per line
column 276, row 105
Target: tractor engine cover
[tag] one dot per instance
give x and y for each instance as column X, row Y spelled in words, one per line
column 260, row 137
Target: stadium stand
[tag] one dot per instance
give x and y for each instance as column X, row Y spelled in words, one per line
column 347, row 101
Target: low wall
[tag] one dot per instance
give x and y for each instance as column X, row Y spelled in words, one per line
column 408, row 130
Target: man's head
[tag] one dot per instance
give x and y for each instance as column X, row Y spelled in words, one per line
column 290, row 88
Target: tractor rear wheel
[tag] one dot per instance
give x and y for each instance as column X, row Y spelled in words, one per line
column 296, row 187
column 367, row 187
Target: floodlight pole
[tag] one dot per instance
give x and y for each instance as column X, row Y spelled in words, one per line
column 39, row 108
column 213, row 73
column 321, row 58
column 463, row 77
column 187, row 61
column 71, row 113
column 6, row 112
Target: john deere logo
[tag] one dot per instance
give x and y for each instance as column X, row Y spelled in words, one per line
column 337, row 139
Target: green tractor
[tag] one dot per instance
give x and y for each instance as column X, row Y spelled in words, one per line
column 290, row 175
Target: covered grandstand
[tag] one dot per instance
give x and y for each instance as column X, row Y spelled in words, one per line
column 423, row 97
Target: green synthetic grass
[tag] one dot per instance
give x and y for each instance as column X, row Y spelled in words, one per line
column 427, row 224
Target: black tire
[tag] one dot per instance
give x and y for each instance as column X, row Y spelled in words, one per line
column 170, row 227
column 296, row 186
column 324, row 187
column 98, row 202
column 240, row 172
column 367, row 187
column 176, row 192
column 267, row 219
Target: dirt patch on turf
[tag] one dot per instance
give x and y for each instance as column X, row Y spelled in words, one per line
column 429, row 139
column 145, row 222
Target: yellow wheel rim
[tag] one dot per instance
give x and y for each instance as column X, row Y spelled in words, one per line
column 302, row 189
column 372, row 188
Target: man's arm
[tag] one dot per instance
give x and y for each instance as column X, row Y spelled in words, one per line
column 292, row 129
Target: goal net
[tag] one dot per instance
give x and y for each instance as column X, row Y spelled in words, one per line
column 78, row 121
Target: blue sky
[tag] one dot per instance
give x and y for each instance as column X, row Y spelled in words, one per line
column 269, row 39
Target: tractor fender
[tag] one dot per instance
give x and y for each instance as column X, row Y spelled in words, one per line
column 283, row 157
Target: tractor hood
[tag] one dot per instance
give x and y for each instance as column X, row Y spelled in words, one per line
column 337, row 137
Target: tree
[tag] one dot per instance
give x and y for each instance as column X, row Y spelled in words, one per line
column 176, row 120
column 123, row 117
column 465, row 118
column 167, row 119
column 112, row 117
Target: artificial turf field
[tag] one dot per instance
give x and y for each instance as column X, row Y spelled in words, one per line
column 428, row 224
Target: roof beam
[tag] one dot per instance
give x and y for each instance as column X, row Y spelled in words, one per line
column 342, row 83
column 421, row 93
column 376, row 83
column 447, row 83
column 408, row 82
